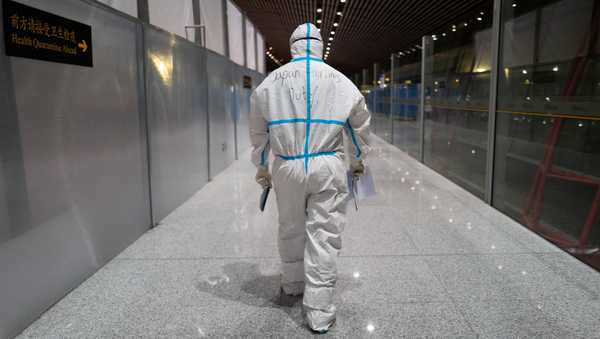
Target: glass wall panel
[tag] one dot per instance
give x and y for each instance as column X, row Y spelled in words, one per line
column 547, row 161
column 236, row 34
column 378, row 99
column 457, row 98
column 405, row 87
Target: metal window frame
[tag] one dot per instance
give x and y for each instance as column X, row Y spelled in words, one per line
column 492, row 112
column 421, row 119
column 392, row 98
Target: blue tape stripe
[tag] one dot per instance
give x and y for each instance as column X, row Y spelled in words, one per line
column 330, row 122
column 286, row 121
column 263, row 157
column 300, row 120
column 307, row 133
column 358, row 151
column 304, row 156
column 306, row 58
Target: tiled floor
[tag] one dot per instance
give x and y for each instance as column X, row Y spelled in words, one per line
column 422, row 259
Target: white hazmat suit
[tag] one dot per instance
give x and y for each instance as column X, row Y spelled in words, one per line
column 300, row 112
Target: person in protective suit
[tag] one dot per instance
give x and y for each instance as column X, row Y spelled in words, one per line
column 301, row 112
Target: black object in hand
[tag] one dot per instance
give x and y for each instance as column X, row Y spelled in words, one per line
column 263, row 198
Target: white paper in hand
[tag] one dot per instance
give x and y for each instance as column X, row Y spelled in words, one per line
column 362, row 188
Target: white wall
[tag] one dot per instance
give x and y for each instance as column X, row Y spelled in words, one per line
column 125, row 6
column 236, row 38
column 260, row 45
column 172, row 16
column 250, row 45
column 211, row 17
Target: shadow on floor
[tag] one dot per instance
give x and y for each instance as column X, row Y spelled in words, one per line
column 243, row 282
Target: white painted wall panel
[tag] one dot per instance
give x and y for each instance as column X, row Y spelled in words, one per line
column 260, row 45
column 250, row 46
column 125, row 6
column 236, row 38
column 211, row 14
column 172, row 16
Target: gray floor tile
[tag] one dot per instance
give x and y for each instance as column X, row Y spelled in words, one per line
column 406, row 270
column 502, row 277
column 509, row 319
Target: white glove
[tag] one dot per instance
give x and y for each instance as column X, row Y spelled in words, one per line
column 263, row 177
column 357, row 168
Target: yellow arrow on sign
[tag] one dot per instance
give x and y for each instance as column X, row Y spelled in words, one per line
column 83, row 45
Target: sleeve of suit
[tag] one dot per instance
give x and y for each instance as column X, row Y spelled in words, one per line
column 259, row 133
column 358, row 130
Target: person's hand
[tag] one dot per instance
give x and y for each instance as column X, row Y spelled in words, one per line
column 357, row 168
column 263, row 177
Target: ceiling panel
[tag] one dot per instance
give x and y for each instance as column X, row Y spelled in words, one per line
column 369, row 30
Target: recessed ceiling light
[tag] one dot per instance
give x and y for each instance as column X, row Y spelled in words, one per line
column 330, row 38
column 335, row 24
column 319, row 21
column 332, row 32
column 319, row 10
column 339, row 13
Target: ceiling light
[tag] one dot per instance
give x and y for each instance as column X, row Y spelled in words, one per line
column 479, row 19
column 524, row 71
column 443, row 34
column 466, row 24
column 332, row 32
column 330, row 38
column 319, row 10
column 555, row 69
column 342, row 1
column 514, row 5
column 454, row 30
column 319, row 21
column 339, row 13
column 335, row 24
column 480, row 13
column 328, row 48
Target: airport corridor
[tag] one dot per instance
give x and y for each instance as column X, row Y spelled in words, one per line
column 424, row 258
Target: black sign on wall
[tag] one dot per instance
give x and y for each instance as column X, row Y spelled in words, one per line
column 35, row 34
column 247, row 81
